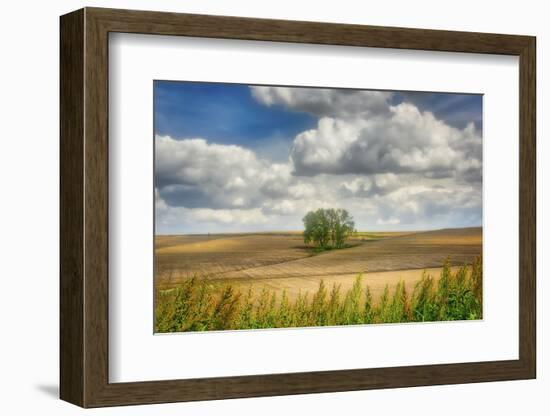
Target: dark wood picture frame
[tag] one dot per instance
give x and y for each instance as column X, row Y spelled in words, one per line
column 84, row 207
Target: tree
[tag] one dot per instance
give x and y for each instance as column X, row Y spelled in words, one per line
column 316, row 228
column 341, row 225
column 328, row 228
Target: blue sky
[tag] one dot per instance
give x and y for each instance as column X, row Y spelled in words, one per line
column 232, row 157
column 225, row 113
column 456, row 109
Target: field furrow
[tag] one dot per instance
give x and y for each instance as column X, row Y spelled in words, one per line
column 283, row 260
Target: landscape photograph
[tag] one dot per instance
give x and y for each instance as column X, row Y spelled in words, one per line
column 294, row 207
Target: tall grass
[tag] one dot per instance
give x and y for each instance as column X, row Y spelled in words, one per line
column 197, row 305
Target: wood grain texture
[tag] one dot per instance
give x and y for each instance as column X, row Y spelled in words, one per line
column 71, row 185
column 84, row 207
column 96, row 208
column 226, row 27
column 527, row 208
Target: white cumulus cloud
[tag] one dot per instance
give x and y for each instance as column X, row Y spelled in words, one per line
column 404, row 140
column 391, row 166
column 325, row 102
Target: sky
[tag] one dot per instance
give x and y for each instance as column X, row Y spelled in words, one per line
column 240, row 158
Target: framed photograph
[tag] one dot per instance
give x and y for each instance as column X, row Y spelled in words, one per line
column 256, row 207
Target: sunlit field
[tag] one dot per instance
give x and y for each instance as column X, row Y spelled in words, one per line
column 270, row 280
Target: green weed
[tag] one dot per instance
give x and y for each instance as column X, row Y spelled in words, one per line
column 198, row 306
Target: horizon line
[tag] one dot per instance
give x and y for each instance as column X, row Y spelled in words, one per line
column 301, row 231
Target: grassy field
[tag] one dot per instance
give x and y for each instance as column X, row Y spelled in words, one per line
column 279, row 265
column 197, row 305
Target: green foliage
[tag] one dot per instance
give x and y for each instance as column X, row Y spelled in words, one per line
column 247, row 309
column 316, row 228
column 369, row 311
column 319, row 306
column 226, row 310
column 458, row 295
column 395, row 308
column 199, row 306
column 351, row 309
column 333, row 309
column 424, row 304
column 328, row 228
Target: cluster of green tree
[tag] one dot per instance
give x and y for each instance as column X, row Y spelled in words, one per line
column 328, row 227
